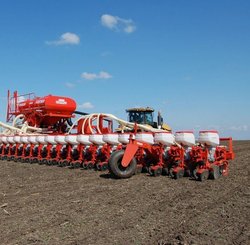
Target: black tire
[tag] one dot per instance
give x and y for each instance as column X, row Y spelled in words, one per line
column 138, row 169
column 22, row 160
column 77, row 164
column 43, row 161
column 54, row 162
column 203, row 176
column 165, row 171
column 171, row 172
column 194, row 173
column 179, row 174
column 4, row 158
column 64, row 163
column 27, row 160
column 18, row 159
column 215, row 172
column 91, row 165
column 103, row 167
column 49, row 162
column 85, row 166
column 117, row 169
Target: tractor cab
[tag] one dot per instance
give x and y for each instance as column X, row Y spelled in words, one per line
column 142, row 116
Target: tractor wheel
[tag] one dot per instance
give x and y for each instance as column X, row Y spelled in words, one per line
column 179, row 174
column 215, row 172
column 116, row 168
column 203, row 176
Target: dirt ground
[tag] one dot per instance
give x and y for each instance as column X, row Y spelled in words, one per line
column 52, row 205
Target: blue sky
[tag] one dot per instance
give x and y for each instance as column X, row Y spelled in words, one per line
column 189, row 59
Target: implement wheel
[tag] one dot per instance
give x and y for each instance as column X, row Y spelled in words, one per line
column 157, row 171
column 77, row 164
column 43, row 161
column 34, row 160
column 215, row 172
column 179, row 174
column 102, row 166
column 116, row 168
column 203, row 175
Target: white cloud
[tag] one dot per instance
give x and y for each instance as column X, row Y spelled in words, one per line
column 70, row 85
column 104, row 75
column 89, row 76
column 129, row 28
column 118, row 24
column 93, row 76
column 66, row 38
column 86, row 105
column 109, row 21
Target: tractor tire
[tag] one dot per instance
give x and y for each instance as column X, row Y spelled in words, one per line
column 203, row 176
column 215, row 172
column 116, row 168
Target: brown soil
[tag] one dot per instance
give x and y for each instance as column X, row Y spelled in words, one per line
column 52, row 205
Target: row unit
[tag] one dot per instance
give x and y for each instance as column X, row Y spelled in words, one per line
column 185, row 138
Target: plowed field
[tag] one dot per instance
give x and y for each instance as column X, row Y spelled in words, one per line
column 52, row 205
